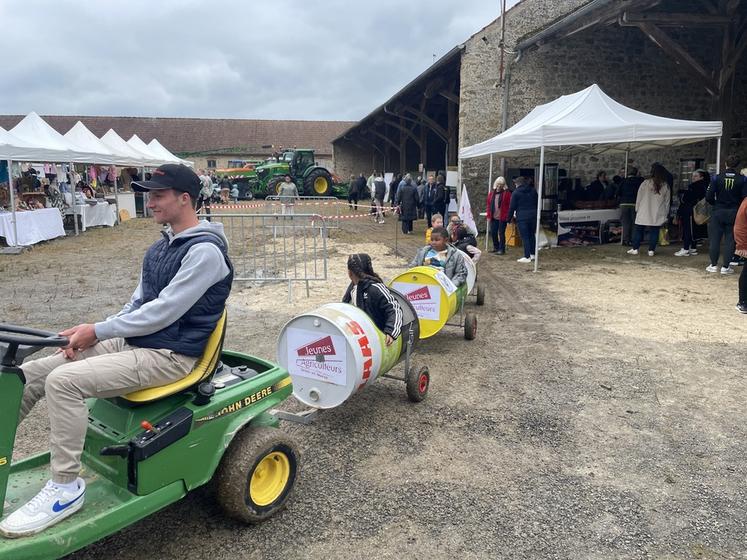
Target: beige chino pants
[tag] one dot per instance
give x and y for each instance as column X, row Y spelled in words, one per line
column 110, row 368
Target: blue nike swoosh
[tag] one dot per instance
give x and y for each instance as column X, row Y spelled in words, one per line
column 57, row 506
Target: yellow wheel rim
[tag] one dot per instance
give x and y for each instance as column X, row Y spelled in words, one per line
column 269, row 478
column 278, row 187
column 320, row 185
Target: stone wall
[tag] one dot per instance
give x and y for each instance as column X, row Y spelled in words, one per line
column 349, row 159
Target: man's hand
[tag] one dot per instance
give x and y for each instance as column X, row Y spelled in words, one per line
column 741, row 253
column 80, row 337
column 389, row 340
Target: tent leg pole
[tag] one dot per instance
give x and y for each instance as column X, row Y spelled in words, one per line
column 116, row 198
column 12, row 194
column 74, row 204
column 718, row 155
column 539, row 208
column 490, row 186
column 627, row 157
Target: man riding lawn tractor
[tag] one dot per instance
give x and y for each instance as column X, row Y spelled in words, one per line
column 149, row 365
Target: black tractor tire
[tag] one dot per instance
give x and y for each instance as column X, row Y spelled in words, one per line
column 236, row 473
column 318, row 183
column 470, row 326
column 417, row 382
column 480, row 297
column 273, row 186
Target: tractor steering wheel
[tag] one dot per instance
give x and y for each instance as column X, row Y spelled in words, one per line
column 19, row 342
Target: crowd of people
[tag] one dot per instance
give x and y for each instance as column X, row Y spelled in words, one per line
column 412, row 199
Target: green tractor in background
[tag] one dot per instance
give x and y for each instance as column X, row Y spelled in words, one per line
column 310, row 178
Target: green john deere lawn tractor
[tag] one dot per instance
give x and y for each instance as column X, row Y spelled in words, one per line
column 310, row 178
column 148, row 449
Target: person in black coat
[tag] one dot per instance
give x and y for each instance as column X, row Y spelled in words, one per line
column 524, row 209
column 441, row 197
column 597, row 188
column 407, row 201
column 694, row 193
column 393, row 187
column 368, row 293
column 628, row 194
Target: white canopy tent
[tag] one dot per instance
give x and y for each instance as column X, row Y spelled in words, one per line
column 157, row 148
column 83, row 137
column 116, row 144
column 137, row 144
column 590, row 121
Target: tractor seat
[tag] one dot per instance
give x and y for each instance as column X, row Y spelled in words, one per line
column 203, row 368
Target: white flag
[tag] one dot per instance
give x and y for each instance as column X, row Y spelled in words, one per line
column 465, row 210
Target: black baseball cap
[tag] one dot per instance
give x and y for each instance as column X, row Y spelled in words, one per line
column 171, row 176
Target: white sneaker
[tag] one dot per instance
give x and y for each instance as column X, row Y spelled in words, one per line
column 683, row 253
column 632, row 251
column 693, row 252
column 524, row 260
column 532, row 257
column 725, row 270
column 711, row 268
column 734, row 263
column 50, row 506
column 650, row 253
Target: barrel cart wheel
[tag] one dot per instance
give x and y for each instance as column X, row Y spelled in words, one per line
column 417, row 382
column 256, row 476
column 470, row 326
column 480, row 296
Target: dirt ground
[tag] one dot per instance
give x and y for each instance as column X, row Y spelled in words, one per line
column 599, row 414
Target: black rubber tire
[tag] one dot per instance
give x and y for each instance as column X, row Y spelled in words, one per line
column 308, row 184
column 470, row 326
column 273, row 186
column 480, row 298
column 417, row 382
column 235, row 471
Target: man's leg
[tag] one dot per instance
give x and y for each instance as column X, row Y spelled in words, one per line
column 715, row 232
column 687, row 232
column 743, row 286
column 36, row 371
column 106, row 375
column 627, row 224
column 429, row 215
column 637, row 236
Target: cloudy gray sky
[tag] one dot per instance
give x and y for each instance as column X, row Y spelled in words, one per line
column 279, row 59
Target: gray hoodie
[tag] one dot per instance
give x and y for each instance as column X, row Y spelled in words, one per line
column 202, row 266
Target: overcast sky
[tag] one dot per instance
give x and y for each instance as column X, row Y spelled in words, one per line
column 280, row 59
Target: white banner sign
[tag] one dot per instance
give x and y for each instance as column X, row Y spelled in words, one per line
column 426, row 300
column 317, row 356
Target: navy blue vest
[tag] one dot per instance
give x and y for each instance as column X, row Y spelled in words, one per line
column 189, row 334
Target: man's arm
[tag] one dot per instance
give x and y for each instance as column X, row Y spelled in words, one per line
column 418, row 260
column 202, row 267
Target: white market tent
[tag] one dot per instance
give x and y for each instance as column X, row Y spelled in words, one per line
column 137, row 144
column 157, row 148
column 115, row 143
column 83, row 137
column 33, row 139
column 590, row 121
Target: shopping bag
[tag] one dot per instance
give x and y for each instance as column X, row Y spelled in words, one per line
column 663, row 236
column 512, row 236
column 702, row 212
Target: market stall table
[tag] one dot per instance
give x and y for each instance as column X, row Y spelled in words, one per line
column 101, row 214
column 33, row 226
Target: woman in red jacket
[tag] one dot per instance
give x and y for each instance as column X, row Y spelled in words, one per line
column 499, row 200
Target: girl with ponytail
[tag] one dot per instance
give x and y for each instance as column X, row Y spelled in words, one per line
column 368, row 293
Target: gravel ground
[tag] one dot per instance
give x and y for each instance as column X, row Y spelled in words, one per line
column 599, row 414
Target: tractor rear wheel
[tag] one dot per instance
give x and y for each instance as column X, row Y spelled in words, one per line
column 318, row 183
column 256, row 476
column 273, row 186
